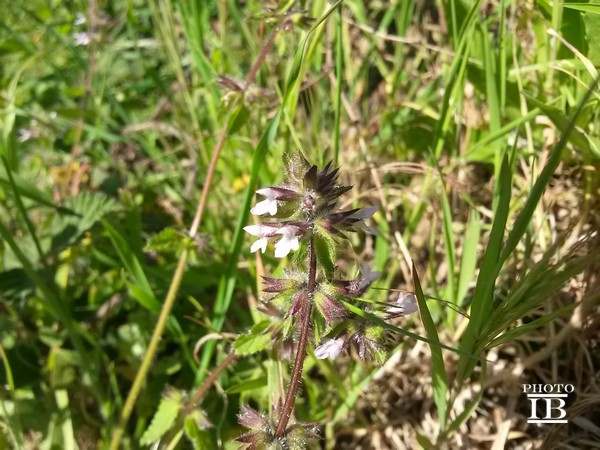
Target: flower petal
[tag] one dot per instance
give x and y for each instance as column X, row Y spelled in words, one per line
column 284, row 246
column 406, row 304
column 259, row 244
column 255, row 230
column 330, row 348
column 364, row 213
column 266, row 206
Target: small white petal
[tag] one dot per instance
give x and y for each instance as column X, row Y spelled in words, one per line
column 267, row 192
column 255, row 230
column 79, row 19
column 406, row 304
column 330, row 348
column 366, row 228
column 367, row 276
column 266, row 206
column 81, row 38
column 288, row 242
column 364, row 213
column 284, row 246
column 259, row 244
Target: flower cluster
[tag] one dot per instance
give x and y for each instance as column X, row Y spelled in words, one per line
column 306, row 202
column 310, row 304
column 262, row 432
column 365, row 337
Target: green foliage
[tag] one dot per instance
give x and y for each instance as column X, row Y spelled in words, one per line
column 164, row 418
column 256, row 340
column 106, row 146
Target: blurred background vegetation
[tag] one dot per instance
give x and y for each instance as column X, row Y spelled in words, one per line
column 443, row 113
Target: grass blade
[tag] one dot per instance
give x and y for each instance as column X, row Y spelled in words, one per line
column 438, row 376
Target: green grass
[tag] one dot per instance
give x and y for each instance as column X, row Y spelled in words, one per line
column 106, row 148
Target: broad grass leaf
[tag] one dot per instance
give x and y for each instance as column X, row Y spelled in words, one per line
column 585, row 7
column 133, row 266
column 481, row 307
column 439, row 376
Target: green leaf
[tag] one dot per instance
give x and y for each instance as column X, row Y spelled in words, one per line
column 238, row 118
column 28, row 190
column 86, row 209
column 134, row 267
column 325, row 249
column 199, row 437
column 382, row 323
column 168, row 240
column 468, row 260
column 248, row 385
column 513, row 334
column 585, row 7
column 255, row 341
column 438, row 376
column 488, row 272
column 164, row 418
column 576, row 135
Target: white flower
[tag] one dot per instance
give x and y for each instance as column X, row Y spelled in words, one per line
column 330, row 348
column 79, row 19
column 269, row 205
column 259, row 244
column 261, row 232
column 367, row 277
column 406, row 304
column 25, row 134
column 288, row 241
column 364, row 213
column 81, row 38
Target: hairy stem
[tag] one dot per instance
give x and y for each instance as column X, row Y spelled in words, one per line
column 306, row 314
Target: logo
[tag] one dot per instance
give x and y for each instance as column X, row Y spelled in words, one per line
column 548, row 402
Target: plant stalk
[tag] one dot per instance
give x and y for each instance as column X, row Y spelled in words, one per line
column 178, row 275
column 290, row 398
column 208, row 382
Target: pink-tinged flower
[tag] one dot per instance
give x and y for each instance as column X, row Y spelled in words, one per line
column 272, row 195
column 262, row 232
column 368, row 277
column 364, row 213
column 288, row 242
column 79, row 19
column 329, row 307
column 330, row 348
column 352, row 220
column 357, row 287
column 405, row 304
column 81, row 38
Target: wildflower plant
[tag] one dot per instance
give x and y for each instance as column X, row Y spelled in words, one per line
column 309, row 303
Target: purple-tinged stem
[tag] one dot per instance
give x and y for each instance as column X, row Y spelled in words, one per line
column 306, row 315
